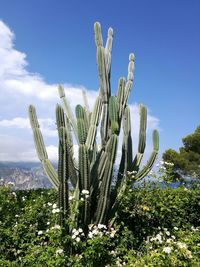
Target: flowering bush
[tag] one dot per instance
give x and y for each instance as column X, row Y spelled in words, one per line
column 157, row 227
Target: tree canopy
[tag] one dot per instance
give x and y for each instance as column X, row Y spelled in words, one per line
column 187, row 160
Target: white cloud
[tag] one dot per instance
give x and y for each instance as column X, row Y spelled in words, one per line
column 13, row 148
column 52, row 152
column 47, row 125
column 17, row 149
column 19, row 87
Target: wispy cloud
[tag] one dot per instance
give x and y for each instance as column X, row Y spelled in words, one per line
column 19, row 88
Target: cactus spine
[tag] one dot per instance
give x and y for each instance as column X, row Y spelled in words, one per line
column 96, row 196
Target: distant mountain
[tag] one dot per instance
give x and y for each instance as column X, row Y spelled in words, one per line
column 24, row 175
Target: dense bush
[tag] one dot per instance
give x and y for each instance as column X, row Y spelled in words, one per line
column 156, row 227
column 145, row 209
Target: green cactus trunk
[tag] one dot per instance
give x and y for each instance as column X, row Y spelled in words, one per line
column 96, row 195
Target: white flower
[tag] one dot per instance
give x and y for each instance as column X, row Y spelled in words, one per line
column 14, row 194
column 167, row 250
column 82, row 199
column 95, row 232
column 40, row 232
column 48, row 223
column 80, row 230
column 159, row 238
column 168, row 240
column 71, row 198
column 49, row 204
column 112, row 234
column 85, row 192
column 173, row 237
column 101, row 226
column 55, row 227
column 90, row 235
column 73, row 236
column 10, row 184
column 76, row 233
column 54, row 206
column 181, row 245
column 189, row 254
column 90, row 226
column 168, row 233
column 18, row 251
column 169, row 163
column 55, row 210
column 78, row 239
column 59, row 251
column 175, row 228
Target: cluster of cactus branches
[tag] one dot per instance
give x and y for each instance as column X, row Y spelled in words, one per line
column 95, row 195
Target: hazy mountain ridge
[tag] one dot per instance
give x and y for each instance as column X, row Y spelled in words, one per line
column 24, row 175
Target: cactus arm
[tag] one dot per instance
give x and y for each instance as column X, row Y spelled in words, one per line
column 68, row 110
column 63, row 177
column 40, row 148
column 82, row 125
column 130, row 77
column 74, row 212
column 113, row 114
column 120, row 95
column 62, row 123
column 84, row 181
column 127, row 137
column 86, row 106
column 126, row 159
column 147, row 168
column 103, row 80
column 94, row 122
column 108, row 50
column 105, row 186
column 104, row 125
column 142, row 138
column 69, row 135
column 72, row 161
column 63, row 166
column 50, row 172
column 97, row 172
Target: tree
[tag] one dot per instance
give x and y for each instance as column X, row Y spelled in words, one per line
column 187, row 160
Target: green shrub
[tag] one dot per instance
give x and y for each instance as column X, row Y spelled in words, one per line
column 145, row 209
column 158, row 227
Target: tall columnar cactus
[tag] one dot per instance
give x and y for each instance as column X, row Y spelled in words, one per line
column 96, row 195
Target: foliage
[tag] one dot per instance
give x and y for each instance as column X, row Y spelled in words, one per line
column 187, row 160
column 148, row 232
column 145, row 209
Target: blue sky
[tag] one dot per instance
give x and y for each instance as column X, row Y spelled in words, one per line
column 55, row 44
